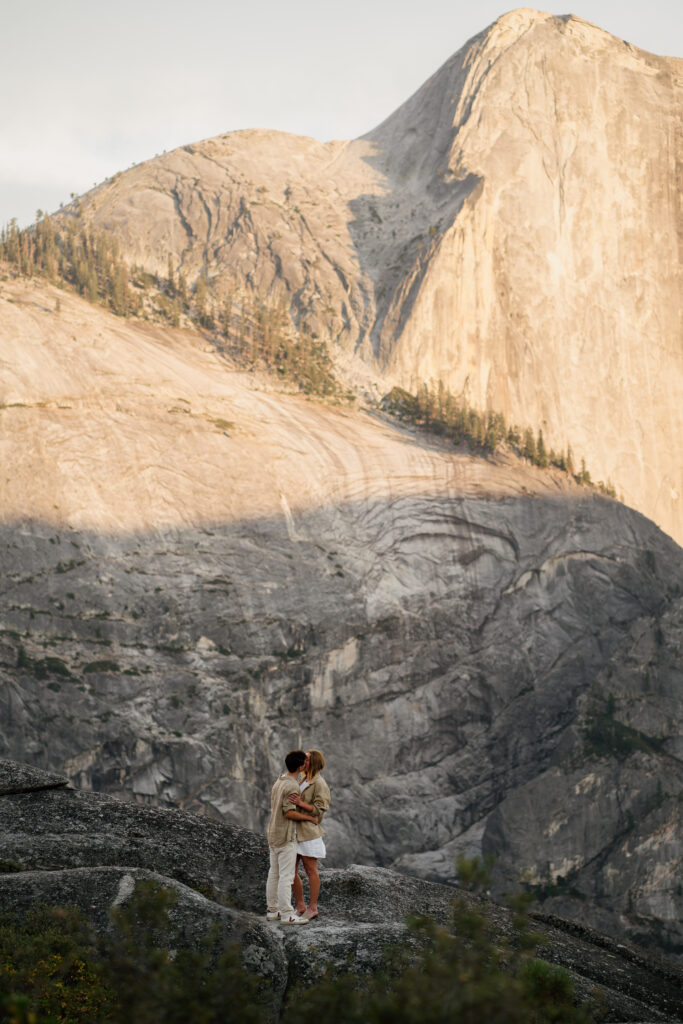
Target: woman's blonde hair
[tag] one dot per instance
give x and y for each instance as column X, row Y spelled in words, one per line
column 316, row 763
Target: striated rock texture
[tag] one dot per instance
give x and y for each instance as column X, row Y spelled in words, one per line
column 197, row 574
column 514, row 230
column 90, row 851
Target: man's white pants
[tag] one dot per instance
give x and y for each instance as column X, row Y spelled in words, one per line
column 280, row 878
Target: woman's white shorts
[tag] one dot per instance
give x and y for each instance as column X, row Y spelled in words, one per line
column 312, row 848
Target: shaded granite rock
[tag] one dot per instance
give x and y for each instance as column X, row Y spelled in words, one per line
column 453, row 670
column 59, row 828
column 24, row 778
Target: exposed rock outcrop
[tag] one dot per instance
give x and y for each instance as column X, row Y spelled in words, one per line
column 364, row 908
column 194, row 918
column 514, row 229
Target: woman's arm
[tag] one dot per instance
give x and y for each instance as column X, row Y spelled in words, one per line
column 321, row 798
column 296, row 799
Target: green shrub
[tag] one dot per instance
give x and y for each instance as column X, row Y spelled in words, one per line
column 154, row 985
column 49, row 970
column 605, row 736
column 23, row 660
column 105, row 665
column 56, row 666
column 43, row 667
column 55, row 970
column 8, row 867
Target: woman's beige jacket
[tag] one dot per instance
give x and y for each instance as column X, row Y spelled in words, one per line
column 317, row 793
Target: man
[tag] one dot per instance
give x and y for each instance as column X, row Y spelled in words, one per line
column 282, row 842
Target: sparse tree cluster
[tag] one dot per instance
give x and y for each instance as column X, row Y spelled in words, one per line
column 438, row 411
column 261, row 336
column 71, row 254
column 257, row 332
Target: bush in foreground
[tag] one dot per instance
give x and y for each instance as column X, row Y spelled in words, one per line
column 55, row 970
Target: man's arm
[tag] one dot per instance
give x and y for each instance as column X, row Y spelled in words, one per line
column 289, row 811
column 298, row 816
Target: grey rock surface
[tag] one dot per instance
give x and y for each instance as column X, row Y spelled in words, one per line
column 59, row 829
column 452, row 670
column 23, row 778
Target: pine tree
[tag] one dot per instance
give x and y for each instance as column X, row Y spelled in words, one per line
column 120, row 291
column 570, row 460
column 200, row 293
column 226, row 315
column 490, row 439
column 441, row 402
column 170, row 281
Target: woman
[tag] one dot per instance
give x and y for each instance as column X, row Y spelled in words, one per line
column 313, row 798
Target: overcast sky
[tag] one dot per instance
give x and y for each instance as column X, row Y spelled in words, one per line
column 91, row 86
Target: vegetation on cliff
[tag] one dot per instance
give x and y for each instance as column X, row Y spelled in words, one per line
column 70, row 255
column 439, row 412
column 256, row 332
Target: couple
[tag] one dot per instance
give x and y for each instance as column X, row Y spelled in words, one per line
column 294, row 834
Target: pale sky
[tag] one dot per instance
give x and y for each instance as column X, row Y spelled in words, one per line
column 90, row 87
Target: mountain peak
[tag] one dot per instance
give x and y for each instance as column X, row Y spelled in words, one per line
column 515, row 23
column 512, row 230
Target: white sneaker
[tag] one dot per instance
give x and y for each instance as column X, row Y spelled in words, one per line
column 294, row 919
column 272, row 915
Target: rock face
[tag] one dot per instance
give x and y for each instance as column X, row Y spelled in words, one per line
column 81, row 849
column 198, row 575
column 514, row 230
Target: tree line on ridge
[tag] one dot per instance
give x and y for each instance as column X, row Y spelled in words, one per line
column 257, row 333
column 438, row 411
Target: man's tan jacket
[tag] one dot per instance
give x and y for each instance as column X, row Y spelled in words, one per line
column 282, row 830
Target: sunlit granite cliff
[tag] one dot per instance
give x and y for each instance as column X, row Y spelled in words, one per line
column 513, row 230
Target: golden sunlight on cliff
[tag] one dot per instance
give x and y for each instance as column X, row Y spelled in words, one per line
column 119, row 425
